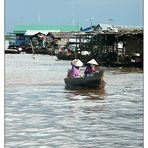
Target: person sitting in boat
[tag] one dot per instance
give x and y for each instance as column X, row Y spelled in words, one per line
column 74, row 72
column 90, row 68
column 68, row 52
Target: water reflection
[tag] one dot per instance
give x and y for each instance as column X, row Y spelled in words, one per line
column 94, row 94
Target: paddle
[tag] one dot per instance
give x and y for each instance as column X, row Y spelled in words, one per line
column 33, row 51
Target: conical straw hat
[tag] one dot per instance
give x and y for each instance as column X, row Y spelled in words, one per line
column 93, row 61
column 77, row 62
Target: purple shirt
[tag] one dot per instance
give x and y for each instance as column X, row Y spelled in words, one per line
column 74, row 72
column 89, row 70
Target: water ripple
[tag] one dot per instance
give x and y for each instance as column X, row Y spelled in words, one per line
column 41, row 113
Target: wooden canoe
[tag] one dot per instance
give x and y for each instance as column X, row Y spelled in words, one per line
column 95, row 81
column 83, row 58
column 11, row 51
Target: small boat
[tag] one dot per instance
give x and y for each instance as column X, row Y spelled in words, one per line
column 95, row 81
column 12, row 51
column 37, row 51
column 63, row 56
column 83, row 58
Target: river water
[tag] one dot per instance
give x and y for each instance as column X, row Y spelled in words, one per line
column 41, row 113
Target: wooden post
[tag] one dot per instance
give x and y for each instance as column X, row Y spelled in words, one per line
column 76, row 43
column 33, row 51
column 117, row 50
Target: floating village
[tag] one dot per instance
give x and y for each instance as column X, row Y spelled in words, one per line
column 109, row 45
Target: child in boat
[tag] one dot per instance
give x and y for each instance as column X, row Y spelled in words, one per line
column 90, row 68
column 75, row 70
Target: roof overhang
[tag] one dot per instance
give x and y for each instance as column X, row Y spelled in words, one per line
column 33, row 32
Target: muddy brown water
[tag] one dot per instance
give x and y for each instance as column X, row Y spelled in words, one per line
column 41, row 113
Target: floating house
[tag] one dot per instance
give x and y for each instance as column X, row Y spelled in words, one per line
column 27, row 30
column 106, row 43
column 59, row 33
column 112, row 43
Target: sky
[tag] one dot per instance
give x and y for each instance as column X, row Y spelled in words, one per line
column 72, row 12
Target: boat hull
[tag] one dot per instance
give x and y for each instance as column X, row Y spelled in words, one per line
column 83, row 58
column 95, row 81
column 12, row 51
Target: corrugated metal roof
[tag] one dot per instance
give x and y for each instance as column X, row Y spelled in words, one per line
column 88, row 29
column 19, row 32
column 33, row 32
column 50, row 28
